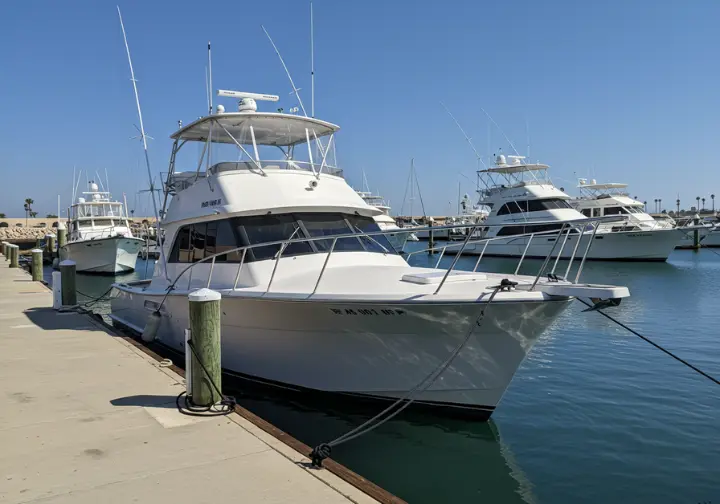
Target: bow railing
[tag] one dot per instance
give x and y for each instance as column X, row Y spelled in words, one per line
column 578, row 228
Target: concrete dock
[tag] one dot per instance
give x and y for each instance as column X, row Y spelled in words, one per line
column 89, row 417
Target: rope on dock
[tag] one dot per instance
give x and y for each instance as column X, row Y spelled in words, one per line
column 322, row 451
column 648, row 340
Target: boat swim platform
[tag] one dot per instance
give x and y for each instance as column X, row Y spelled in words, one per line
column 89, row 416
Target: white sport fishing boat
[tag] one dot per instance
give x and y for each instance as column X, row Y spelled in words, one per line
column 314, row 297
column 522, row 193
column 385, row 221
column 99, row 238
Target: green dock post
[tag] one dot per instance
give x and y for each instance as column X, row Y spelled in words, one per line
column 204, row 311
column 38, row 243
column 61, row 236
column 696, row 233
column 37, row 265
column 67, row 283
column 51, row 244
column 14, row 256
column 4, row 249
column 431, row 237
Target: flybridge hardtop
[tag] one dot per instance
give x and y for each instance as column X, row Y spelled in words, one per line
column 262, row 128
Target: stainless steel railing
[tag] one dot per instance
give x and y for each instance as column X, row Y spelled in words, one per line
column 575, row 227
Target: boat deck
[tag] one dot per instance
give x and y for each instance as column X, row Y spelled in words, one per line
column 89, row 417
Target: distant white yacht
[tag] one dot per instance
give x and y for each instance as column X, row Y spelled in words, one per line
column 99, row 236
column 520, row 192
column 384, row 221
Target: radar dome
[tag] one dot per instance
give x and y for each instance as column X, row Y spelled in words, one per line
column 93, row 187
column 500, row 160
column 247, row 105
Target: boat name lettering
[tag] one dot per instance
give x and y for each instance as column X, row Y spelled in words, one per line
column 209, row 203
column 632, row 235
column 368, row 311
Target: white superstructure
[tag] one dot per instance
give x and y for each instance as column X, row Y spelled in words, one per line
column 314, row 297
column 518, row 192
column 99, row 236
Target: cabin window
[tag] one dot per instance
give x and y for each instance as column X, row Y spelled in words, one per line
column 537, row 228
column 270, row 228
column 587, row 212
column 615, row 210
column 103, row 222
column 540, row 205
column 196, row 241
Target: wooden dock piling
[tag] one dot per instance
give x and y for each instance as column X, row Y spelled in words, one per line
column 61, row 236
column 50, row 242
column 431, row 237
column 205, row 313
column 37, row 265
column 14, row 256
column 67, row 283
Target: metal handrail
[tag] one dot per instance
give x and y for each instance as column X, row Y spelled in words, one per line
column 286, row 243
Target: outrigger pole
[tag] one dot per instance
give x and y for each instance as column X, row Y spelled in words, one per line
column 144, row 141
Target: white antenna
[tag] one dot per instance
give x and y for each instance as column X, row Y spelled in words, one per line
column 527, row 136
column 312, row 64
column 73, row 185
column 76, row 187
column 295, row 89
column 207, row 89
column 501, row 131
column 107, row 180
column 210, row 104
column 99, row 180
column 144, row 140
column 477, row 155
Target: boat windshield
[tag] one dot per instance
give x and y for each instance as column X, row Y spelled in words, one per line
column 198, row 241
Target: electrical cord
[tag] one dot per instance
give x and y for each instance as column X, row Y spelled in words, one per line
column 184, row 403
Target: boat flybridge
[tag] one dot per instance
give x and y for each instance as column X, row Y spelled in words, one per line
column 100, row 239
column 613, row 199
column 529, row 214
column 314, row 297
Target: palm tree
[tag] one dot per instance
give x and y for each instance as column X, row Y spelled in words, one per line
column 677, row 202
column 645, row 203
column 712, row 197
column 698, row 202
column 659, row 204
column 33, row 215
column 2, row 215
column 28, row 209
column 703, row 200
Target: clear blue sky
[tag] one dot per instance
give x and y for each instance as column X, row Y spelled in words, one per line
column 624, row 91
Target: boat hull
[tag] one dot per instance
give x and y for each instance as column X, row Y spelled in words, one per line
column 371, row 351
column 113, row 255
column 654, row 245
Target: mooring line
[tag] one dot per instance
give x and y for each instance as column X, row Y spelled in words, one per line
column 648, row 340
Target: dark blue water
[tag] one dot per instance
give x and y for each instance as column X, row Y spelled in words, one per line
column 594, row 415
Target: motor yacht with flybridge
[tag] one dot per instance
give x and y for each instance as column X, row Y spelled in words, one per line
column 613, row 199
column 100, row 239
column 314, row 297
column 518, row 192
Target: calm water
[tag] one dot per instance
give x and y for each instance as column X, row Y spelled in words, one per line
column 594, row 415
